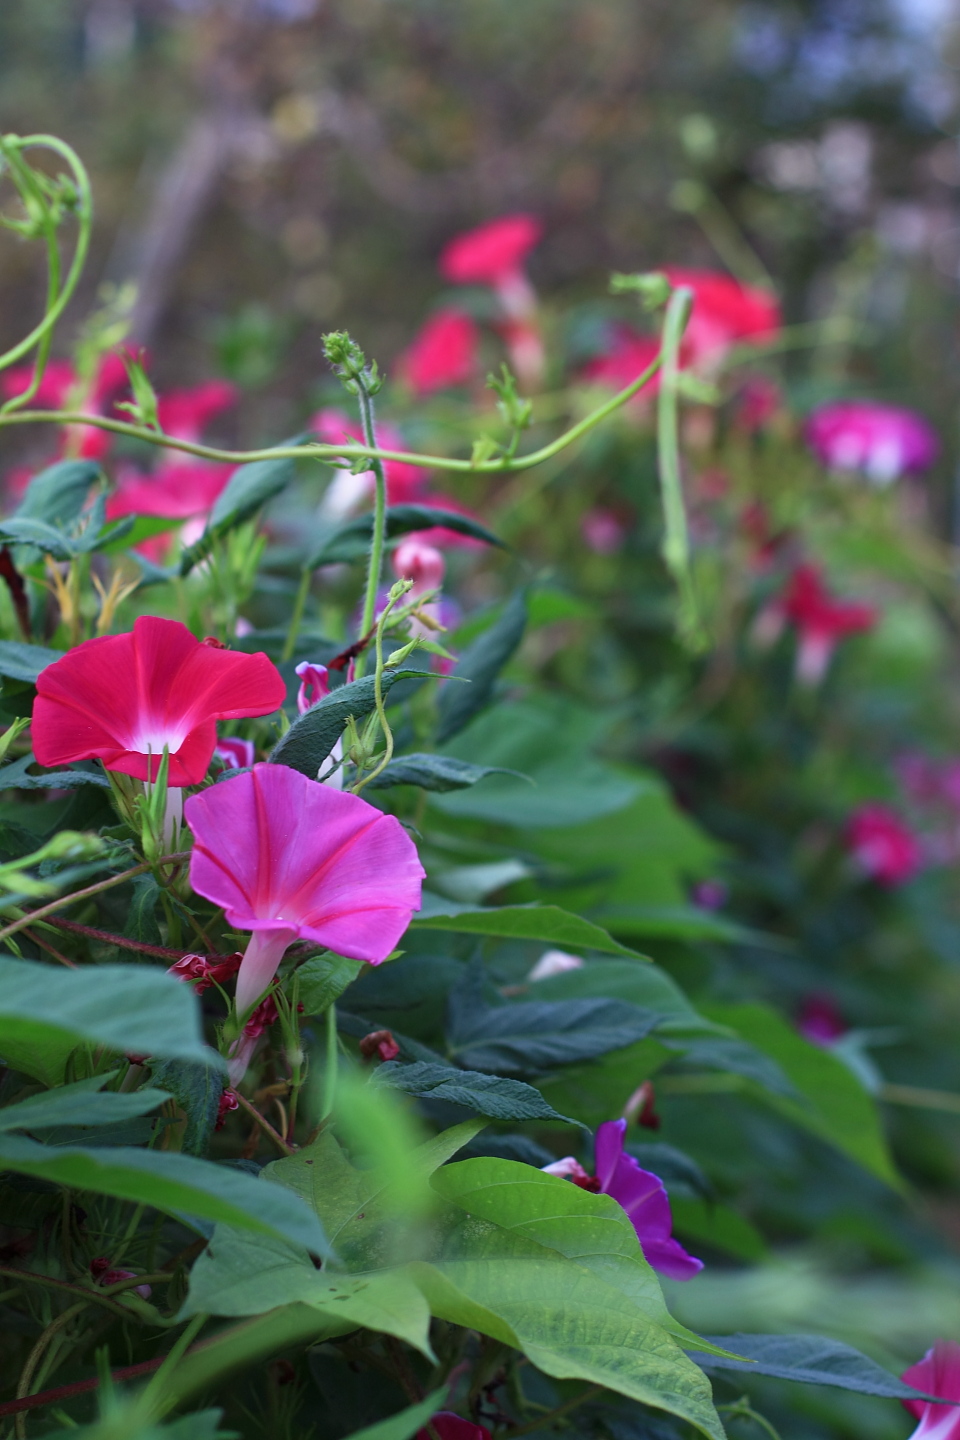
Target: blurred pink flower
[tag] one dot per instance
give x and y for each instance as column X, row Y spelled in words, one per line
column 639, row 1192
column 185, row 413
column 938, row 1373
column 603, row 530
column 61, row 389
column 449, row 1426
column 289, row 858
column 820, row 1020
column 820, row 619
column 759, row 400
column 235, row 754
column 121, row 699
column 493, row 255
column 103, row 1273
column 627, row 356
column 709, row 894
column 884, row 441
column 882, row 845
column 348, row 493
column 417, row 560
column 443, row 353
column 724, row 312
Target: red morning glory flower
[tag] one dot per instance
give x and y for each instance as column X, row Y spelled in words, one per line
column 724, row 312
column 449, row 1426
column 443, row 353
column 820, row 619
column 627, row 355
column 883, row 846
column 122, row 698
column 640, row 1193
column 492, row 254
column 938, row 1373
column 61, row 387
column 884, row 441
column 288, row 858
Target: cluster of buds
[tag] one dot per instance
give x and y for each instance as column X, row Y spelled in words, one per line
column 205, row 970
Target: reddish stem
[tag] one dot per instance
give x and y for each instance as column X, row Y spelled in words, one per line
column 108, row 938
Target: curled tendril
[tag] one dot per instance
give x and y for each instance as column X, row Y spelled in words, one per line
column 46, row 203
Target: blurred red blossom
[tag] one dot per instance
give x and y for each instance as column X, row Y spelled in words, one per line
column 724, row 313
column 443, row 353
column 882, row 845
column 449, row 1426
column 820, row 1020
column 820, row 619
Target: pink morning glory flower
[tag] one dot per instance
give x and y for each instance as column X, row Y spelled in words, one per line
column 493, row 254
column 639, row 1192
column 724, row 312
column 883, row 441
column 938, row 1373
column 122, row 698
column 235, row 754
column 61, row 387
column 442, row 353
column 821, row 620
column 288, row 858
column 883, row 846
column 314, row 685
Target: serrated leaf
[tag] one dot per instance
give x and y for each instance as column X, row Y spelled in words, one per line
column 47, row 538
column 197, row 1090
column 308, row 742
column 173, row 1183
column 481, row 663
column 435, row 772
column 492, row 1095
column 323, row 980
column 58, row 494
column 351, row 541
column 519, row 922
column 25, row 662
column 123, row 1007
column 809, row 1359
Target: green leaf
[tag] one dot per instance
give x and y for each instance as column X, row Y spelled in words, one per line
column 173, row 1183
column 73, row 1105
column 43, row 1017
column 350, row 1202
column 24, row 662
column 197, row 1090
column 58, row 494
column 549, row 740
column 201, row 1425
column 308, row 742
column 351, row 541
column 435, row 772
column 141, row 918
column 406, row 1423
column 324, row 979
column 519, row 922
column 246, row 492
column 48, row 538
column 490, row 1095
column 241, row 1275
column 562, row 1273
column 539, row 1035
column 15, row 776
column 481, row 663
column 832, row 1103
column 811, row 1359
column 645, row 985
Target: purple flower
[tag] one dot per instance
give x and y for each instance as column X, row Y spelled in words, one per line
column 884, row 441
column 639, row 1192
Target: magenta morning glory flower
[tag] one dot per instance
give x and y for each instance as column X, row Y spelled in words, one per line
column 884, row 441
column 639, row 1192
column 288, row 858
column 938, row 1373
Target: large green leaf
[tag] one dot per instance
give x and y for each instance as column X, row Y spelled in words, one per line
column 435, row 772
column 174, row 1183
column 351, row 541
column 127, row 1008
column 493, row 1095
column 644, row 985
column 196, row 1090
column 17, row 776
column 239, row 1274
column 323, row 980
column 481, row 664
column 519, row 922
column 310, row 739
column 562, row 1274
column 538, row 1035
column 831, row 1101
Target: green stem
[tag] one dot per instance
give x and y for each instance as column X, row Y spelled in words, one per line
column 330, row 1064
column 85, row 894
column 84, row 214
column 375, row 564
column 346, row 452
column 676, row 543
column 96, row 1297
column 544, row 1420
column 296, row 618
column 150, row 1400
